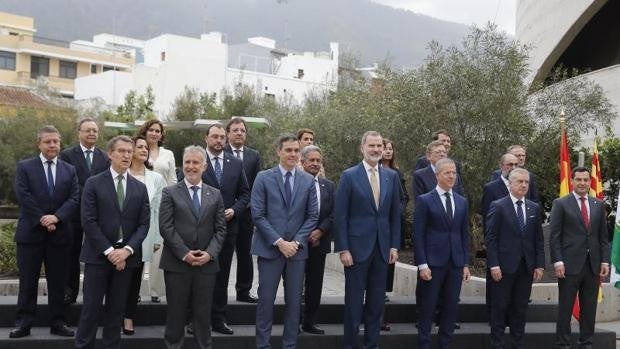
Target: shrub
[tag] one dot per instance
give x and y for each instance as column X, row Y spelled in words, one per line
column 8, row 258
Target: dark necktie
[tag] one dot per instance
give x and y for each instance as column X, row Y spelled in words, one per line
column 218, row 170
column 584, row 212
column 50, row 177
column 238, row 152
column 520, row 216
column 287, row 189
column 120, row 196
column 448, row 205
column 195, row 202
column 89, row 159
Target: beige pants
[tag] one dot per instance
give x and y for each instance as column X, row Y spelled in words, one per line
column 156, row 276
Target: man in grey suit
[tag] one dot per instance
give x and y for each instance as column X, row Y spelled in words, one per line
column 284, row 210
column 580, row 256
column 192, row 224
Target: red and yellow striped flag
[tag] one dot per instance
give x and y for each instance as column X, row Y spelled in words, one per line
column 565, row 184
column 596, row 181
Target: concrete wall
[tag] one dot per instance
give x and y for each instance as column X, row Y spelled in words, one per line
column 111, row 86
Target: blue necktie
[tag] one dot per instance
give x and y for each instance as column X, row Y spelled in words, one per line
column 195, row 202
column 520, row 217
column 287, row 189
column 218, row 171
column 50, row 177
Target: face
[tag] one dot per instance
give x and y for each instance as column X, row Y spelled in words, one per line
column 372, row 149
column 520, row 154
column 121, row 156
column 519, row 185
column 445, row 139
column 312, row 163
column 194, row 164
column 237, row 134
column 306, row 140
column 140, row 151
column 49, row 145
column 88, row 133
column 153, row 134
column 388, row 152
column 436, row 154
column 581, row 183
column 215, row 139
column 509, row 163
column 289, row 154
column 446, row 177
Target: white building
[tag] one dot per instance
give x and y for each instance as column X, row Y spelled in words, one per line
column 169, row 63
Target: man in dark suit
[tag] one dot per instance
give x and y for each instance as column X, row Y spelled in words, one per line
column 236, row 132
column 515, row 257
column 47, row 192
column 497, row 188
column 520, row 152
column 225, row 173
column 88, row 160
column 193, row 227
column 367, row 236
column 441, row 249
column 580, row 255
column 319, row 240
column 425, row 180
column 115, row 217
column 284, row 210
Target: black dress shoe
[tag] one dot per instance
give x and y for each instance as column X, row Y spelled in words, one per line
column 314, row 329
column 247, row 298
column 62, row 330
column 19, row 332
column 155, row 300
column 128, row 332
column 222, row 328
column 190, row 328
column 457, row 326
column 385, row 327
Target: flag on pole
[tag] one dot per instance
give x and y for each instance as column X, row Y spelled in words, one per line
column 615, row 250
column 596, row 181
column 565, row 184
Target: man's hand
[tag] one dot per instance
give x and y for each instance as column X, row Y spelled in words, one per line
column 229, row 213
column 315, row 237
column 287, row 248
column 120, row 266
column 393, row 255
column 496, row 274
column 190, row 258
column 156, row 247
column 604, row 271
column 48, row 220
column 559, row 271
column 50, row 228
column 538, row 274
column 425, row 274
column 118, row 255
column 346, row 258
column 202, row 258
column 466, row 274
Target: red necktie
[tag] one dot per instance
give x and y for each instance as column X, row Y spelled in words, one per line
column 584, row 212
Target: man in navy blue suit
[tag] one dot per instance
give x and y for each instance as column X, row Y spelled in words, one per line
column 520, row 152
column 47, row 192
column 444, row 137
column 424, row 180
column 441, row 249
column 115, row 216
column 515, row 257
column 225, row 172
column 367, row 236
column 319, row 240
column 284, row 210
column 88, row 160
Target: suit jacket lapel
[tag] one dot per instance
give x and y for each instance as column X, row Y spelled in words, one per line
column 204, row 196
column 441, row 207
column 112, row 182
column 383, row 187
column 210, row 173
column 365, row 184
column 277, row 176
column 80, row 155
column 574, row 205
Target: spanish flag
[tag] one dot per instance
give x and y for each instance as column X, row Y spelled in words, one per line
column 565, row 184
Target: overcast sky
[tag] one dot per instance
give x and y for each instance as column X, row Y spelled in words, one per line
column 501, row 12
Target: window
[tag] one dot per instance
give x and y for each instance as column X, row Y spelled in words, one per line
column 300, row 73
column 39, row 66
column 68, row 70
column 107, row 67
column 7, row 60
column 93, row 69
column 162, row 56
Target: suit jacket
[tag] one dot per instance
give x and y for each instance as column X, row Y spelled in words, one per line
column 35, row 201
column 532, row 191
column 425, row 180
column 102, row 218
column 326, row 213
column 274, row 220
column 422, row 161
column 505, row 242
column 359, row 224
column 494, row 190
column 234, row 188
column 437, row 239
column 252, row 162
column 182, row 232
column 570, row 239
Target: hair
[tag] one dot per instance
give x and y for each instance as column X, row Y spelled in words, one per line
column 578, row 169
column 515, row 146
column 84, row 120
column 47, row 129
column 301, row 132
column 147, row 164
column 216, row 125
column 503, row 158
column 432, row 145
column 145, row 127
column 392, row 162
column 517, row 171
column 112, row 142
column 236, row 120
column 443, row 162
column 195, row 149
column 285, row 137
column 440, row 132
column 369, row 133
column 309, row 149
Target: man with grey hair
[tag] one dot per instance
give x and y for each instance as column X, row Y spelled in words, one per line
column 193, row 225
column 520, row 152
column 319, row 240
column 367, row 236
column 515, row 257
column 424, row 180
